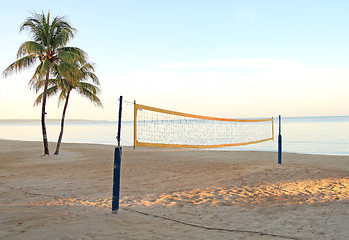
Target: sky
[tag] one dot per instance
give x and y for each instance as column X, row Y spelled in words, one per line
column 221, row 58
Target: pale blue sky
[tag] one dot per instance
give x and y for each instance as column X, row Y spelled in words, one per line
column 219, row 58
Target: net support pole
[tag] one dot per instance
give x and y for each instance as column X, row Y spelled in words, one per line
column 117, row 166
column 279, row 142
column 134, row 125
column 119, row 121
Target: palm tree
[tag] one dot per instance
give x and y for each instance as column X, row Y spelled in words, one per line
column 49, row 48
column 72, row 77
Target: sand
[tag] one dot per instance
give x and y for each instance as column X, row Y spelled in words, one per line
column 170, row 194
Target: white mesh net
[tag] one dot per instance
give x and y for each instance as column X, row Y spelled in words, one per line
column 173, row 129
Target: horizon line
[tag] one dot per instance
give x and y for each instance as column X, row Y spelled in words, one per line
column 94, row 120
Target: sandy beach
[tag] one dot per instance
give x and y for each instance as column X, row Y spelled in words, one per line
column 171, row 194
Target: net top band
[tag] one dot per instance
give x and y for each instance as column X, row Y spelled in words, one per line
column 139, row 106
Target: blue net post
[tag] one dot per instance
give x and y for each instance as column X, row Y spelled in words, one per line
column 117, row 166
column 279, row 142
column 116, row 179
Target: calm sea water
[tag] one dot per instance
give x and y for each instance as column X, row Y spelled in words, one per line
column 312, row 135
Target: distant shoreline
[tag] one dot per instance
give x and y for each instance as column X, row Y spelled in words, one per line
column 12, row 120
column 49, row 120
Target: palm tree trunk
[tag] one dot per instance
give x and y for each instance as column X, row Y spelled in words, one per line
column 43, row 116
column 62, row 124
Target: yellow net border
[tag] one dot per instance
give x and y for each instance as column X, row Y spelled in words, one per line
column 164, row 145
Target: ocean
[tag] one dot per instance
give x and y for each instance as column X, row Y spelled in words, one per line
column 309, row 135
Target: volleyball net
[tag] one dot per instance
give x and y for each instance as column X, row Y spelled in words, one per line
column 155, row 127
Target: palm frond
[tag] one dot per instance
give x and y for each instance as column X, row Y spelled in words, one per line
column 39, row 76
column 30, row 48
column 50, row 92
column 70, row 72
column 88, row 71
column 72, row 55
column 36, row 82
column 38, row 100
column 88, row 86
column 91, row 96
column 20, row 65
column 61, row 31
column 62, row 96
column 36, row 25
column 93, row 77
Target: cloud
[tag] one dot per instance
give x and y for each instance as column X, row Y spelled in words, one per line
column 217, row 76
column 172, row 80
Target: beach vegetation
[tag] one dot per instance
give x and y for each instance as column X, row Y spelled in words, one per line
column 76, row 76
column 47, row 49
